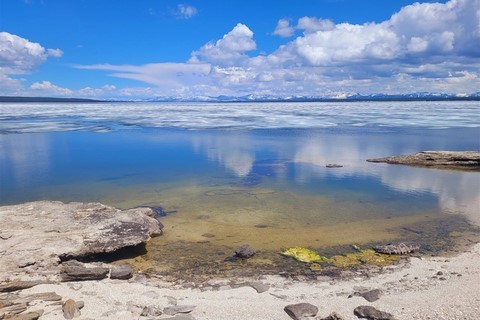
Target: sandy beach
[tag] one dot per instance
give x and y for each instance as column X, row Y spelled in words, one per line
column 421, row 288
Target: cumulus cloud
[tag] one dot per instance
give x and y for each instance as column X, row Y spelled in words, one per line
column 284, row 29
column 48, row 88
column 20, row 56
column 185, row 11
column 307, row 24
column 229, row 50
column 423, row 47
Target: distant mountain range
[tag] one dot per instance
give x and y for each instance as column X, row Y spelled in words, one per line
column 420, row 96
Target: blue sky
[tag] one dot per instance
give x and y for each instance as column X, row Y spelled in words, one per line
column 193, row 49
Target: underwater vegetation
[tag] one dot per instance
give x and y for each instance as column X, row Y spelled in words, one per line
column 360, row 257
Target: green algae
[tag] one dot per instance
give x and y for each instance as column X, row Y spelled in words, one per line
column 303, row 255
column 361, row 257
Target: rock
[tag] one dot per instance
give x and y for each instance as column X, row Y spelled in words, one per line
column 32, row 315
column 370, row 313
column 396, row 248
column 208, row 235
column 70, row 309
column 437, row 159
column 49, row 231
column 259, row 286
column 17, row 285
column 173, row 310
column 301, row 310
column 332, row 316
column 122, row 272
column 370, row 296
column 333, row 165
column 82, row 273
column 151, row 311
column 244, row 252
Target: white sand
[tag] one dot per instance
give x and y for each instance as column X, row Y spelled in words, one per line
column 414, row 291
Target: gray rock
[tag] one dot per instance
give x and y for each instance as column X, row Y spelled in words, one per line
column 369, row 295
column 173, row 310
column 32, row 315
column 372, row 295
column 49, row 231
column 397, row 248
column 370, row 313
column 82, row 273
column 244, row 252
column 437, row 159
column 332, row 316
column 122, row 272
column 17, row 285
column 259, row 286
column 333, row 165
column 301, row 310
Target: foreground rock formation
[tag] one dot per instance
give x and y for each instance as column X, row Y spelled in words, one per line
column 469, row 160
column 35, row 237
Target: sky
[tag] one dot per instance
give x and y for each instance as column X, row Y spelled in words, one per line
column 147, row 49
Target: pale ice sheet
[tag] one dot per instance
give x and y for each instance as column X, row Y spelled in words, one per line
column 47, row 117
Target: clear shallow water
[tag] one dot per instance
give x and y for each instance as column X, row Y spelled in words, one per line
column 266, row 186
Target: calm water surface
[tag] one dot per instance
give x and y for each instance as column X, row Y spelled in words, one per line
column 254, row 181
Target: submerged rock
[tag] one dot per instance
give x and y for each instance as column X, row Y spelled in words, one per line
column 244, row 252
column 43, row 233
column 437, row 159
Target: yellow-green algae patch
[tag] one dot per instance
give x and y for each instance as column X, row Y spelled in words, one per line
column 303, row 254
column 367, row 256
column 362, row 257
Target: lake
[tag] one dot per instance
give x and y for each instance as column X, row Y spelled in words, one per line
column 226, row 174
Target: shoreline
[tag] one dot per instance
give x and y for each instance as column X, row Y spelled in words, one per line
column 417, row 287
column 422, row 288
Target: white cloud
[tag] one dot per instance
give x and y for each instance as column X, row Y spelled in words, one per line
column 229, row 50
column 423, row 47
column 307, row 24
column 20, row 56
column 284, row 29
column 49, row 89
column 186, row 12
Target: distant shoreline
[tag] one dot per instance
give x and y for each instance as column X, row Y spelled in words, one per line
column 13, row 99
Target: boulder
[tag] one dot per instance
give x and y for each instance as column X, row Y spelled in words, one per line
column 36, row 236
column 244, row 252
column 122, row 272
column 75, row 272
column 301, row 310
column 370, row 313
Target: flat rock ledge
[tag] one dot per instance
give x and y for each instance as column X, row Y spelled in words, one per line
column 466, row 160
column 36, row 236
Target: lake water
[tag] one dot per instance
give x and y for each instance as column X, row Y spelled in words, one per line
column 235, row 173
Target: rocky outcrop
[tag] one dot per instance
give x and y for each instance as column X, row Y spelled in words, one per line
column 437, row 159
column 37, row 236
